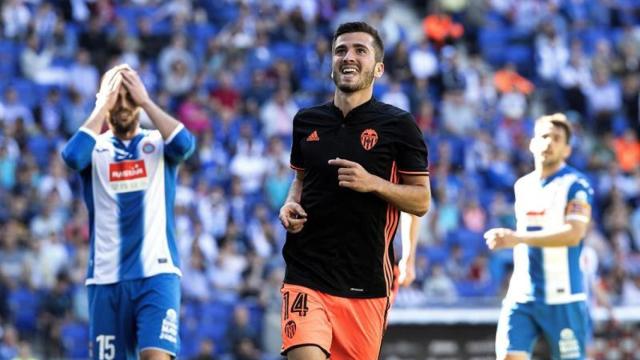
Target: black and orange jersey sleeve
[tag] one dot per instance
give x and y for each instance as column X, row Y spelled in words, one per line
column 412, row 151
column 296, row 160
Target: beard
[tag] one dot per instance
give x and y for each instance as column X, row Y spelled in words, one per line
column 365, row 80
column 123, row 121
column 550, row 163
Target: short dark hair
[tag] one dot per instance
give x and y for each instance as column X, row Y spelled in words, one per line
column 560, row 120
column 360, row 26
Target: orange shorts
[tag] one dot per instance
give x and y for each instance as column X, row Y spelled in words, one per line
column 344, row 328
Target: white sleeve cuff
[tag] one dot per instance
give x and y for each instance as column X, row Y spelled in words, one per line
column 89, row 132
column 582, row 218
column 174, row 133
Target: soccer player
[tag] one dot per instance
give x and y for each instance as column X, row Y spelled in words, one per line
column 358, row 163
column 128, row 176
column 546, row 295
column 409, row 228
column 405, row 270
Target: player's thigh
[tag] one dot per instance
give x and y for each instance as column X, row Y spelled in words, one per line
column 153, row 354
column 517, row 331
column 565, row 328
column 158, row 313
column 111, row 323
column 517, row 356
column 305, row 327
column 309, row 352
column 358, row 327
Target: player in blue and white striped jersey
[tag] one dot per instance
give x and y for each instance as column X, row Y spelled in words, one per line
column 129, row 177
column 546, row 295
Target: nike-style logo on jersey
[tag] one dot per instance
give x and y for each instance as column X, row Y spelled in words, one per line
column 313, row 136
column 549, row 274
column 129, row 190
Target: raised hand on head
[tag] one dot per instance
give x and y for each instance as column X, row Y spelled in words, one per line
column 110, row 87
column 134, row 85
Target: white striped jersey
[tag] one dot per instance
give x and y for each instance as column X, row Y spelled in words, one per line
column 551, row 275
column 129, row 189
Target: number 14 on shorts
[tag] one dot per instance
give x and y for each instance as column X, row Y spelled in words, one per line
column 298, row 306
column 106, row 347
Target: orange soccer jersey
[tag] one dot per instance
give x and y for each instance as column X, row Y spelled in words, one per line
column 344, row 328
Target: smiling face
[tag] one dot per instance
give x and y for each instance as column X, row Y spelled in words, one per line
column 123, row 118
column 354, row 65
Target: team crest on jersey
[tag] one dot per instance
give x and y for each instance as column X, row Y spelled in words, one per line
column 129, row 175
column 313, row 136
column 369, row 139
column 290, row 329
column 148, row 148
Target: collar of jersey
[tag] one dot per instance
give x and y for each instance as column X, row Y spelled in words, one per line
column 563, row 170
column 131, row 149
column 365, row 105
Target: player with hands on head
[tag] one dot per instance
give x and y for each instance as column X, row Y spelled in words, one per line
column 129, row 177
column 546, row 294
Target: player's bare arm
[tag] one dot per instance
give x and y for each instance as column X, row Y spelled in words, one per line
column 292, row 215
column 164, row 122
column 412, row 195
column 569, row 234
column 407, row 265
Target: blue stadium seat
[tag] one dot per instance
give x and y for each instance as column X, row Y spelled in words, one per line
column 75, row 337
column 129, row 15
column 190, row 335
column 26, row 90
column 493, row 43
column 471, row 242
column 493, row 36
column 8, row 59
column 468, row 288
column 436, row 254
column 256, row 314
column 215, row 317
column 522, row 57
column 221, row 12
column 380, row 89
column 24, row 304
column 312, row 85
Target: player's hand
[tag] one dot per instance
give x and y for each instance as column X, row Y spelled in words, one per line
column 135, row 87
column 292, row 216
column 353, row 176
column 109, row 88
column 501, row 238
column 407, row 269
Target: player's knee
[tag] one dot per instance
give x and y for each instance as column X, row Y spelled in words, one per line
column 152, row 354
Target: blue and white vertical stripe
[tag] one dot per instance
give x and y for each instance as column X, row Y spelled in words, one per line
column 549, row 274
column 129, row 190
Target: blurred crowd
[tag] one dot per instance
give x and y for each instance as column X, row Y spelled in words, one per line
column 475, row 74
